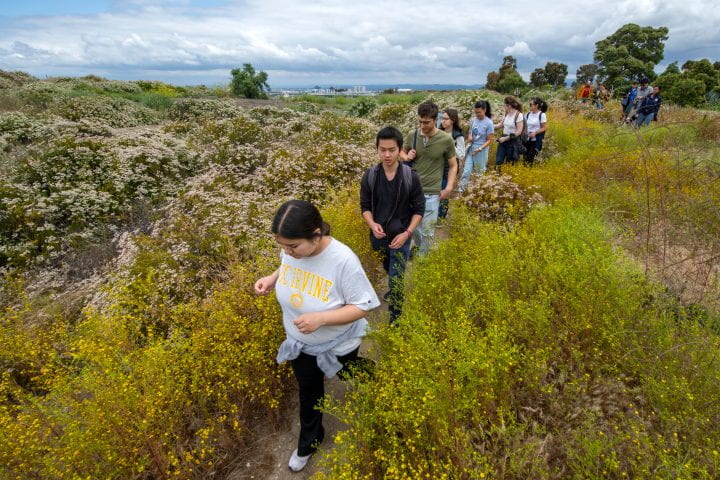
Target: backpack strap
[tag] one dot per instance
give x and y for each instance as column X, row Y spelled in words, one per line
column 405, row 177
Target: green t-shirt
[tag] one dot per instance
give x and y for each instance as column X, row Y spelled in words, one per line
column 430, row 159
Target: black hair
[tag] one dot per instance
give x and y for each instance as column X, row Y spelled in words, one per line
column 540, row 103
column 486, row 105
column 428, row 109
column 389, row 133
column 299, row 219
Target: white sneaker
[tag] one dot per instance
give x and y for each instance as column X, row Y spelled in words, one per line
column 297, row 462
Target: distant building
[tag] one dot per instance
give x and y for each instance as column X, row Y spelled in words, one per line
column 403, row 90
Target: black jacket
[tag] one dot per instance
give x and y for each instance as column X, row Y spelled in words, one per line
column 403, row 203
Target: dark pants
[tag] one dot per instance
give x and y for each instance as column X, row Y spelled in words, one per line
column 505, row 151
column 530, row 152
column 311, row 383
column 444, row 204
column 394, row 261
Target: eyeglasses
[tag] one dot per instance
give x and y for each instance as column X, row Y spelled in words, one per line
column 445, row 118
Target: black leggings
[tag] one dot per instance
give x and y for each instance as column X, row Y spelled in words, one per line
column 311, row 383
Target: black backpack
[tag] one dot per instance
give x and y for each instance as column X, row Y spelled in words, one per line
column 405, row 176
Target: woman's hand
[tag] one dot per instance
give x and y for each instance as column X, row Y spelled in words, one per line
column 266, row 284
column 503, row 139
column 309, row 322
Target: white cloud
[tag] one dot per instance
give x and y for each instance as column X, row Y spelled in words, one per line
column 369, row 42
column 519, row 49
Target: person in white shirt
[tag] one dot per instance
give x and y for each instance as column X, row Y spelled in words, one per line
column 509, row 142
column 324, row 296
column 536, row 120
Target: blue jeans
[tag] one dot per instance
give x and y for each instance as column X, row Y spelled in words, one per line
column 425, row 233
column 474, row 163
column 394, row 261
column 644, row 119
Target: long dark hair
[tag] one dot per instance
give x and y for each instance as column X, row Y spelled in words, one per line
column 485, row 105
column 512, row 101
column 453, row 114
column 299, row 219
column 540, row 103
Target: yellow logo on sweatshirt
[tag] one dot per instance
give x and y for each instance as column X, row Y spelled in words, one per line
column 304, row 282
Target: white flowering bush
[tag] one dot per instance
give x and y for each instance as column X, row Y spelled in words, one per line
column 498, row 198
column 193, row 109
column 116, row 112
column 19, row 128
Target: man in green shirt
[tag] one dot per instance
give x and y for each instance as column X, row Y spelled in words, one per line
column 427, row 149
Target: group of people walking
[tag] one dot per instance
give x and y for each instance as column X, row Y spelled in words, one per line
column 640, row 103
column 322, row 289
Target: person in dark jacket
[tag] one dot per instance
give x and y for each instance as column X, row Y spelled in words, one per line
column 392, row 204
column 649, row 108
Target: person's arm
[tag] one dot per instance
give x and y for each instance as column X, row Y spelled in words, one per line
column 375, row 228
column 265, row 285
column 452, row 174
column 403, row 237
column 309, row 322
column 460, row 148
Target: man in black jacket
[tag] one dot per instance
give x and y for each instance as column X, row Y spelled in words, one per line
column 392, row 204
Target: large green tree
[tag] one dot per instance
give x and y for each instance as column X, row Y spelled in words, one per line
column 248, row 83
column 630, row 53
column 585, row 73
column 553, row 74
column 506, row 79
column 691, row 86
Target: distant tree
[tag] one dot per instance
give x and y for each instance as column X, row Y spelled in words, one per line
column 506, row 79
column 510, row 82
column 538, row 78
column 702, row 70
column 672, row 68
column 629, row 53
column 586, row 73
column 687, row 92
column 248, row 83
column 716, row 65
column 556, row 73
column 509, row 64
column 492, row 80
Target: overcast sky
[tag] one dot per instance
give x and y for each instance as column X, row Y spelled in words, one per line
column 330, row 42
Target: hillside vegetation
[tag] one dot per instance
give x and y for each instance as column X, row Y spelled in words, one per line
column 567, row 328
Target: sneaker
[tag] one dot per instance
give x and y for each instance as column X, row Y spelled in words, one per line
column 297, row 462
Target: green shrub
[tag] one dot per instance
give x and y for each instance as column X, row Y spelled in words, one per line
column 116, row 112
column 362, row 107
column 540, row 338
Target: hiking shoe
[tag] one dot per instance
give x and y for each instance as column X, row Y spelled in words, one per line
column 297, row 462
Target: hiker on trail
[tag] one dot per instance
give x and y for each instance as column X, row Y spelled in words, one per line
column 392, row 204
column 324, row 296
column 584, row 92
column 649, row 108
column 536, row 120
column 480, row 136
column 427, row 149
column 512, row 124
column 628, row 99
column 643, row 91
column 601, row 96
column 450, row 124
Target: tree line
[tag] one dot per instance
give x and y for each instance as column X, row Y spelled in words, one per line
column 628, row 55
